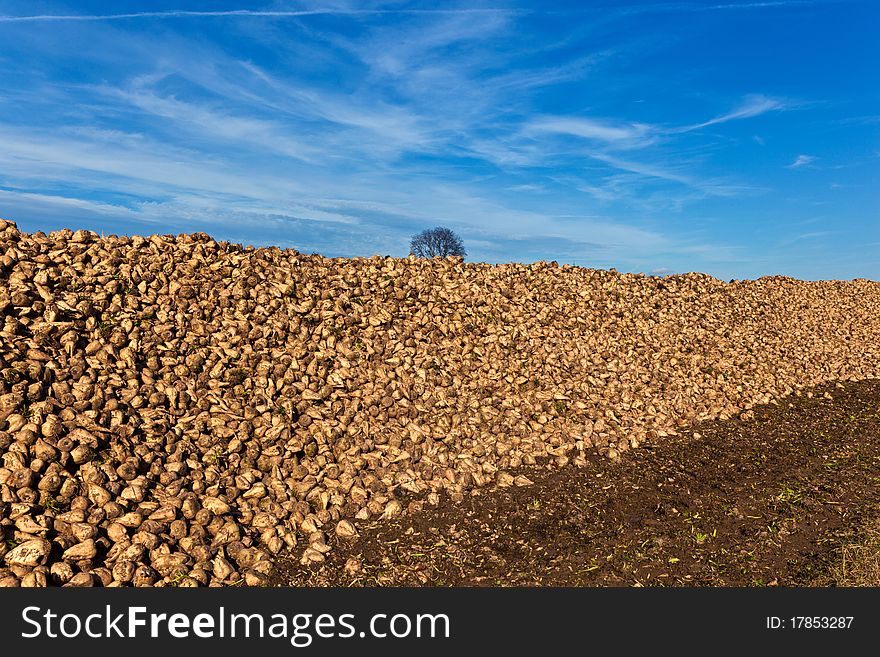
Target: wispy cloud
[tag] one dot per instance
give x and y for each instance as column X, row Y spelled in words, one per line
column 608, row 137
column 753, row 105
column 215, row 125
column 689, row 7
column 66, row 202
column 639, row 135
column 644, row 169
column 240, row 13
column 396, row 11
column 801, row 161
column 621, row 135
column 813, row 235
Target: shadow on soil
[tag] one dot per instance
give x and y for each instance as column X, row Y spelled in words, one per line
column 766, row 501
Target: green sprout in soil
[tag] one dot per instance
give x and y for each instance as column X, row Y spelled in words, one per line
column 178, row 578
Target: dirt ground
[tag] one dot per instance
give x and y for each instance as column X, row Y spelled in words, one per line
column 774, row 500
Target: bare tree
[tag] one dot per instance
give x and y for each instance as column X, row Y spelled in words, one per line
column 437, row 242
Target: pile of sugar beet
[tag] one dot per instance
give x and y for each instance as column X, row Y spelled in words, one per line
column 179, row 411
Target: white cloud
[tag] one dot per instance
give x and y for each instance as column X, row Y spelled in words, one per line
column 67, row 202
column 235, row 13
column 648, row 170
column 622, row 135
column 527, row 187
column 801, row 161
column 753, row 105
column 217, row 125
column 813, row 235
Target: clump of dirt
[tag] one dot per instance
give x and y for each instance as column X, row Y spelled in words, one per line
column 789, row 497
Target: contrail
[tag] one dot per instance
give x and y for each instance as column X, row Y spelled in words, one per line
column 235, row 13
column 232, row 13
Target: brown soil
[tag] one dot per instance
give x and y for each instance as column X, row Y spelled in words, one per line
column 772, row 500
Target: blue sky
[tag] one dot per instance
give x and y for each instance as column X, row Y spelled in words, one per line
column 738, row 139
